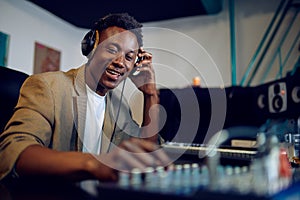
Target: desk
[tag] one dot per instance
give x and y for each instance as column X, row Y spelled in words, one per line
column 59, row 190
column 35, row 189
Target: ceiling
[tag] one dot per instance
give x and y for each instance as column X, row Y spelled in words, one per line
column 84, row 13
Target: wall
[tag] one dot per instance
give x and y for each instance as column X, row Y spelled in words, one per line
column 27, row 23
column 213, row 33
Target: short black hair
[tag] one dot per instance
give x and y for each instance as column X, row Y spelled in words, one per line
column 122, row 20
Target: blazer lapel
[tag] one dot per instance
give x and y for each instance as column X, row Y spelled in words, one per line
column 79, row 106
column 108, row 126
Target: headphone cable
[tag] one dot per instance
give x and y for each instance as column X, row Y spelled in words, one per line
column 117, row 117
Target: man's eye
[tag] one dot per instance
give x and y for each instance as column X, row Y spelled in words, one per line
column 112, row 50
column 129, row 58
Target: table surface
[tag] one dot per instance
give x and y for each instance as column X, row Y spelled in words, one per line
column 57, row 189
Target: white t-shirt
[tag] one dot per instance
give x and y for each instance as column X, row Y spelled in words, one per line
column 94, row 122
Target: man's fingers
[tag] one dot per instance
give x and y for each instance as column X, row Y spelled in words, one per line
column 130, row 160
column 143, row 152
column 146, row 152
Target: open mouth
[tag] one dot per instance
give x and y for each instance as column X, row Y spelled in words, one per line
column 114, row 72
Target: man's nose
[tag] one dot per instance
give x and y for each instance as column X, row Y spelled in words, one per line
column 120, row 61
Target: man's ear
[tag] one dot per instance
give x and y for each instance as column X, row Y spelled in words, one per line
column 96, row 39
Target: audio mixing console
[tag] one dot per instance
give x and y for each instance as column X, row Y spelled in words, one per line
column 194, row 181
column 266, row 175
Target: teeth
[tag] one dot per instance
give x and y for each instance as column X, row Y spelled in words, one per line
column 113, row 72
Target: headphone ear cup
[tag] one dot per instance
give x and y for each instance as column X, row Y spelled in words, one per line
column 88, row 42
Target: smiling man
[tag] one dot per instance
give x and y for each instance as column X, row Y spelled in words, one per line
column 75, row 125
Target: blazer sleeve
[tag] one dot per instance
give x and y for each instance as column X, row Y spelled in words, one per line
column 30, row 124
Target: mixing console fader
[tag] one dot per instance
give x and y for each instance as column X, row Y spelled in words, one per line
column 191, row 181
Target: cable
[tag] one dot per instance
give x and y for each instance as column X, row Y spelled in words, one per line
column 117, row 117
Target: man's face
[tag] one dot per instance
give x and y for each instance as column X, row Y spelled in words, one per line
column 113, row 59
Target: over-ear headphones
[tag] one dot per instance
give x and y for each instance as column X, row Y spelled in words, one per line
column 89, row 41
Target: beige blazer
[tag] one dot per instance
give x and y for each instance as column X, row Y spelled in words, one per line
column 51, row 112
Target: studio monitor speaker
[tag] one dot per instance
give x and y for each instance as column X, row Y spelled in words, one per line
column 295, row 95
column 279, row 99
column 277, row 96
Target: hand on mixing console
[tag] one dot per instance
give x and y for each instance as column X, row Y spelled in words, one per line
column 132, row 153
column 140, row 153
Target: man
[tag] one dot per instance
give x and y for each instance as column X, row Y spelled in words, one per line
column 72, row 125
